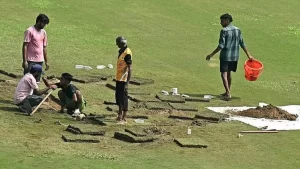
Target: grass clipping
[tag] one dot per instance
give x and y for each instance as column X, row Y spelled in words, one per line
column 269, row 112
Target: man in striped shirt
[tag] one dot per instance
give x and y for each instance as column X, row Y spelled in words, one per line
column 230, row 41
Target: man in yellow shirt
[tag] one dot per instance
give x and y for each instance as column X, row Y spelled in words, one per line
column 122, row 78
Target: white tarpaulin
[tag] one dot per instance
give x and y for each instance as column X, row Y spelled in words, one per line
column 267, row 124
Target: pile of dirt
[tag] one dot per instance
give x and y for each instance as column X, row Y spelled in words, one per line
column 269, row 112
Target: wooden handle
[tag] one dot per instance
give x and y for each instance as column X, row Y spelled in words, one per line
column 37, row 107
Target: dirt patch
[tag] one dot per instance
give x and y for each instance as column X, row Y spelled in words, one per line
column 269, row 112
column 198, row 122
column 156, row 131
column 213, row 65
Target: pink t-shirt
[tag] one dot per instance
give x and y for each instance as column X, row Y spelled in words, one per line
column 25, row 88
column 37, row 40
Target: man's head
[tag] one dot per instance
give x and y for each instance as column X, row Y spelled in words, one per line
column 41, row 21
column 226, row 19
column 35, row 70
column 66, row 79
column 121, row 41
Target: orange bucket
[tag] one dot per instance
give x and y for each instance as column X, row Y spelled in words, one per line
column 253, row 68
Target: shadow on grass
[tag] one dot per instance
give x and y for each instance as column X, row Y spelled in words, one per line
column 3, row 101
column 15, row 110
column 219, row 97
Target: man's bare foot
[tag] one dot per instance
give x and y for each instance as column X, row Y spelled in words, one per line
column 224, row 94
column 227, row 97
column 121, row 122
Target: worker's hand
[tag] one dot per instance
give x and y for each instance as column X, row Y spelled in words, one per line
column 208, row 57
column 53, row 87
column 25, row 65
column 47, row 66
column 250, row 57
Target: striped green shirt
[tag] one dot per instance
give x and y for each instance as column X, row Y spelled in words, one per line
column 230, row 40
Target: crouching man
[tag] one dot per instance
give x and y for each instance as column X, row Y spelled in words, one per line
column 70, row 96
column 27, row 94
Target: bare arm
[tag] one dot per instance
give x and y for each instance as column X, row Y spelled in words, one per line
column 45, row 55
column 247, row 53
column 24, row 55
column 213, row 53
column 46, row 58
column 129, row 73
column 40, row 92
column 220, row 46
column 242, row 44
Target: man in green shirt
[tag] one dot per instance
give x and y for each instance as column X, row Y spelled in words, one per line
column 70, row 96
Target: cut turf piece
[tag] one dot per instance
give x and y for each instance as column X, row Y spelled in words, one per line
column 89, row 130
column 191, row 142
column 158, row 106
column 182, row 107
column 9, row 74
column 140, row 81
column 181, row 117
column 137, row 133
column 170, row 98
column 143, row 98
column 109, row 103
column 125, row 136
column 80, row 138
column 111, row 86
column 196, row 99
column 211, row 116
column 138, row 116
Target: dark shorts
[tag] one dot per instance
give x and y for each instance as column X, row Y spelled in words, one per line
column 30, row 102
column 121, row 95
column 228, row 66
column 38, row 79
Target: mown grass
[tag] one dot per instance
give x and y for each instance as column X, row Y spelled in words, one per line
column 169, row 40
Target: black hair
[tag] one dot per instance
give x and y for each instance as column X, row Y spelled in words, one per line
column 67, row 76
column 226, row 16
column 42, row 18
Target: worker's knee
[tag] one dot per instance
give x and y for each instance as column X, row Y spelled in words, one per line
column 78, row 93
column 61, row 93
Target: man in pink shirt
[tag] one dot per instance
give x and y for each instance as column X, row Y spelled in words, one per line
column 27, row 93
column 34, row 46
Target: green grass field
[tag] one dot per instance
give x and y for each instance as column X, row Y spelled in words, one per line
column 170, row 40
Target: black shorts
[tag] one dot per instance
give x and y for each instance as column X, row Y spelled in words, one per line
column 121, row 95
column 228, row 66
